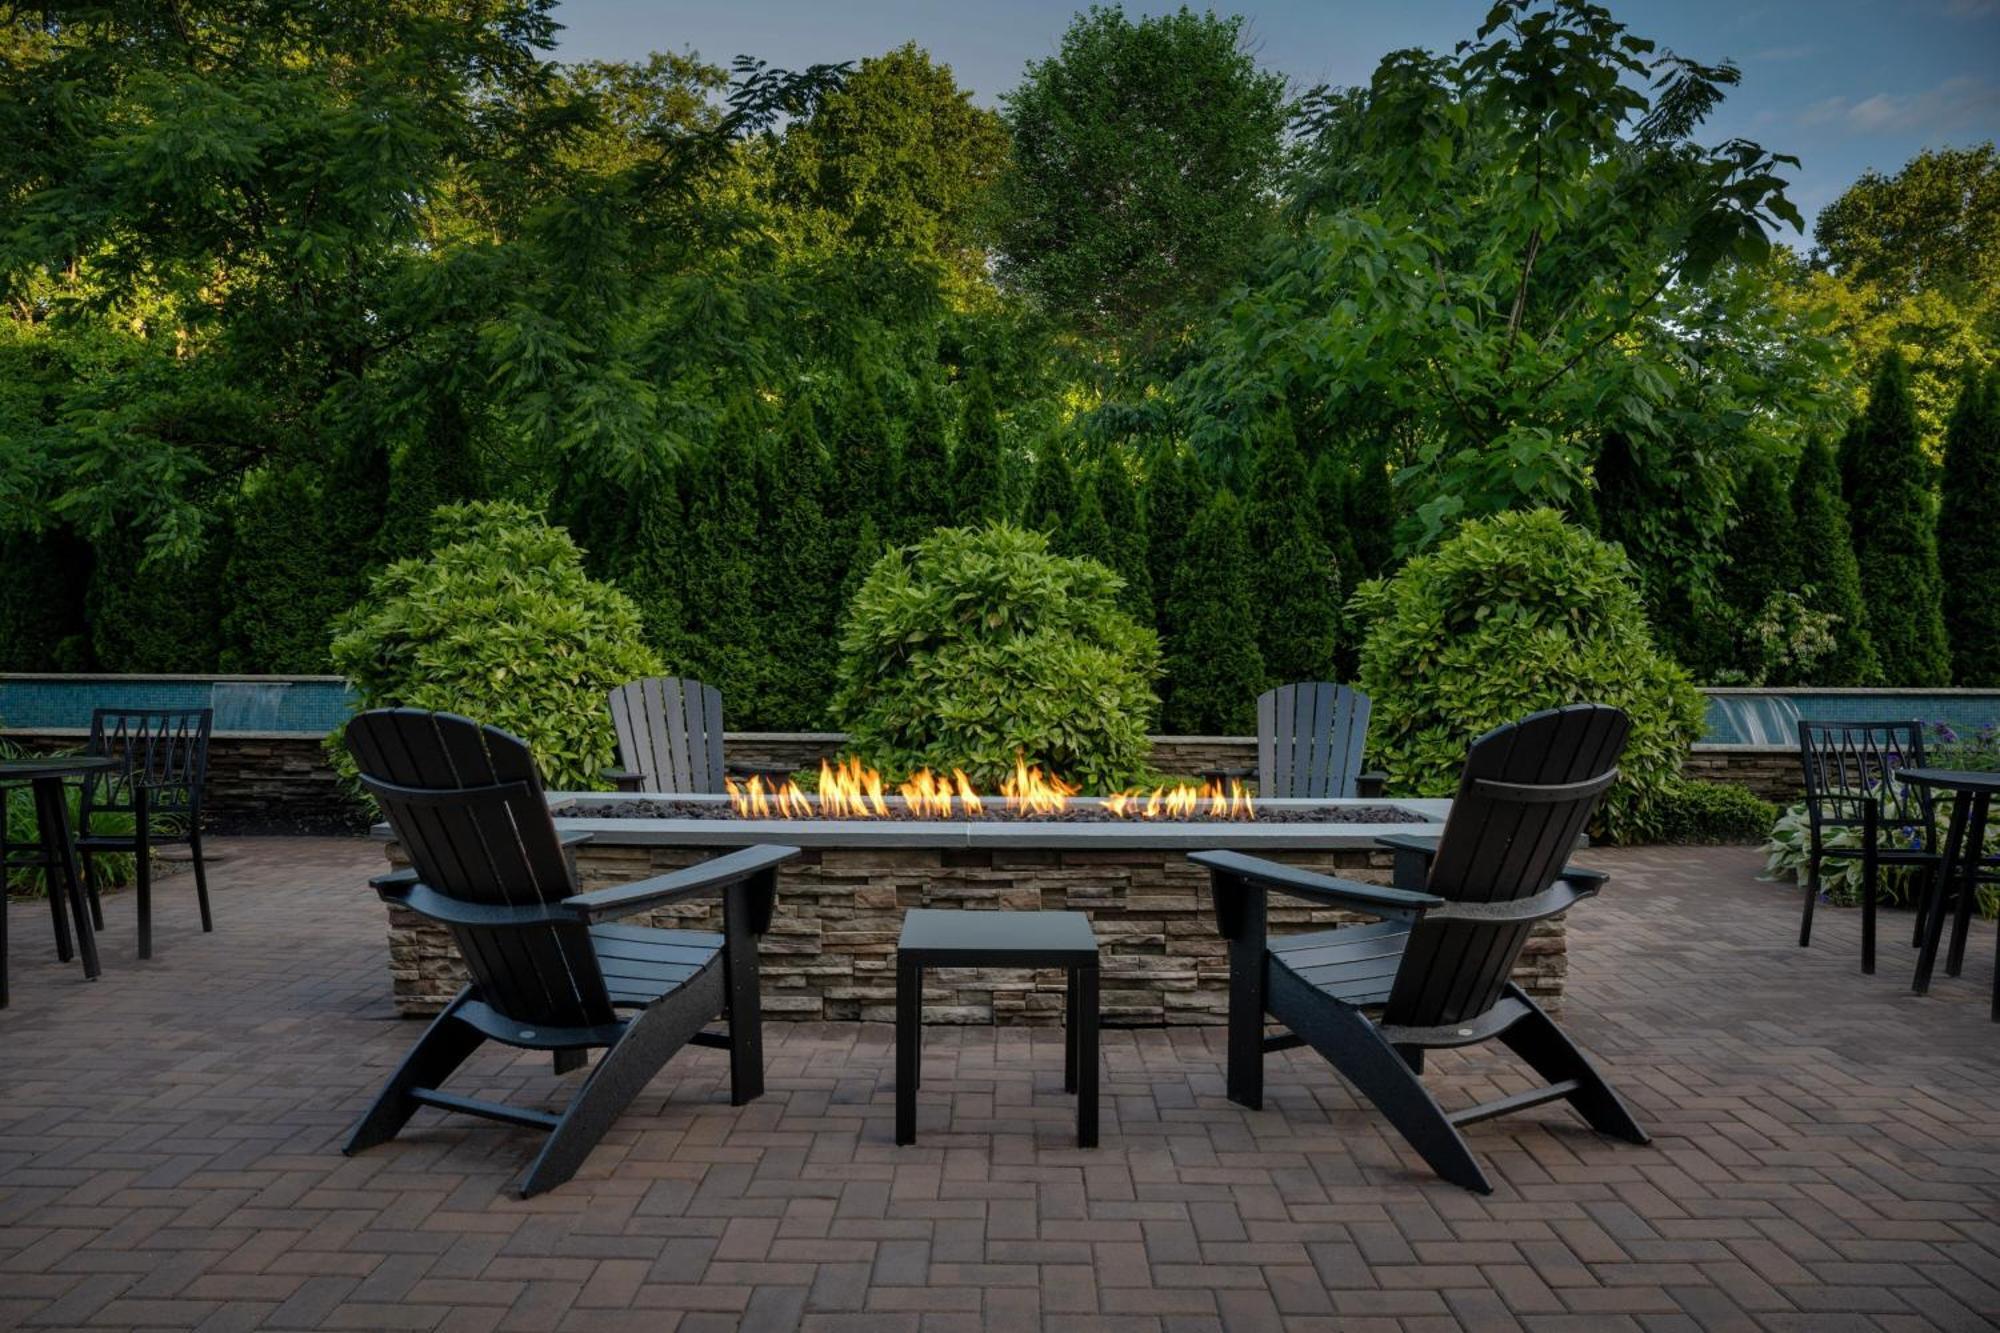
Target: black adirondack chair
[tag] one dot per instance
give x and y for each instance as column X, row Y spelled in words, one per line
column 548, row 973
column 1433, row 972
column 164, row 757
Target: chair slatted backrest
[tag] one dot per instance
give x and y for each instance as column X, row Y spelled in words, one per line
column 670, row 730
column 1309, row 740
column 466, row 803
column 1856, row 759
column 166, row 749
column 1526, row 795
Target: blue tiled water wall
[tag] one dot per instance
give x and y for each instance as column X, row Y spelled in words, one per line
column 315, row 705
column 1771, row 717
column 304, row 705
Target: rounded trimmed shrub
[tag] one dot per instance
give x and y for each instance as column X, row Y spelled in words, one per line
column 1513, row 614
column 978, row 644
column 500, row 623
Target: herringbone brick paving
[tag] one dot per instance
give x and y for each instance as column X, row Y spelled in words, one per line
column 1827, row 1153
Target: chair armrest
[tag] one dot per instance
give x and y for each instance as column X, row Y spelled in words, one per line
column 1370, row 785
column 624, row 779
column 1322, row 889
column 1826, row 808
column 395, row 886
column 676, row 885
column 1414, row 854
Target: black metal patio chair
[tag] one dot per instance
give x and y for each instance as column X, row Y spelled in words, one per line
column 1850, row 783
column 159, row 788
column 549, row 971
column 1434, row 971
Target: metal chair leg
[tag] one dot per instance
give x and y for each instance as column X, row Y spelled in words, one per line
column 200, row 878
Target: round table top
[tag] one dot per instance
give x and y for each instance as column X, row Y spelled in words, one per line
column 30, row 767
column 1955, row 779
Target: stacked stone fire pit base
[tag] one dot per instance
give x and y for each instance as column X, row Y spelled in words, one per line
column 830, row 954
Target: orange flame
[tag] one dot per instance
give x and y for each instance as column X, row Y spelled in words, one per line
column 848, row 790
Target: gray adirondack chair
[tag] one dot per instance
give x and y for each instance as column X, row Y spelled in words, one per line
column 549, row 971
column 1310, row 736
column 1434, row 971
column 669, row 735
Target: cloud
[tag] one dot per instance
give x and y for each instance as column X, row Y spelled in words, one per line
column 1951, row 105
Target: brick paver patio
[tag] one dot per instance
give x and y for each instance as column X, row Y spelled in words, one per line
column 1827, row 1152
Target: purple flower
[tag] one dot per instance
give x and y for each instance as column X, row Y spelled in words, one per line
column 1946, row 734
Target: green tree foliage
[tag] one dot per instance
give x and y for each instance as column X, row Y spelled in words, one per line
column 41, row 603
column 799, row 552
column 500, row 623
column 1560, row 608
column 1299, row 598
column 1169, row 110
column 287, row 576
column 1832, row 579
column 1212, row 657
column 978, row 645
column 1368, row 509
column 1502, row 261
column 1128, row 551
column 978, row 494
column 1895, row 535
column 165, row 616
column 923, row 473
column 723, row 511
column 1968, row 533
column 1052, row 502
column 1934, row 226
column 898, row 157
column 1763, row 558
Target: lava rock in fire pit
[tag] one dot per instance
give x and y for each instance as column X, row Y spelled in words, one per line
column 1077, row 812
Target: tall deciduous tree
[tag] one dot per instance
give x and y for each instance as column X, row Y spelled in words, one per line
column 898, row 157
column 1143, row 155
column 1895, row 535
column 1969, row 533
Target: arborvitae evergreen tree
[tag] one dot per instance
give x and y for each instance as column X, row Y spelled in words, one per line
column 1052, row 496
column 1088, row 534
column 436, row 468
column 651, row 567
column 284, row 589
column 720, row 559
column 1370, row 508
column 42, row 578
column 978, row 492
column 1329, row 507
column 1895, row 535
column 1299, row 606
column 167, row 618
column 863, row 461
column 923, row 474
column 1172, row 496
column 797, row 589
column 1118, row 499
column 1969, row 533
column 1829, row 577
column 1213, row 662
column 1763, row 556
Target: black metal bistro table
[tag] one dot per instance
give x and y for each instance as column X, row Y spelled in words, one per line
column 940, row 938
column 1954, row 890
column 57, row 857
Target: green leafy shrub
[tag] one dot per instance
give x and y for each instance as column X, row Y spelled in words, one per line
column 23, row 827
column 1513, row 614
column 975, row 645
column 1713, row 812
column 1788, row 845
column 500, row 623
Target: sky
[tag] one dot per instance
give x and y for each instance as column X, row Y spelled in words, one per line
column 1844, row 85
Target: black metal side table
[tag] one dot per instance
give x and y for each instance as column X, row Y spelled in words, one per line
column 938, row 938
column 54, row 851
column 1955, row 888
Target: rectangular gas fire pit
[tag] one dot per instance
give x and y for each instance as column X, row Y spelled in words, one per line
column 830, row 953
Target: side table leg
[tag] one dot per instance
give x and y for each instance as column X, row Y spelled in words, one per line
column 909, row 1046
column 1085, row 1021
column 52, row 813
column 1936, row 901
column 1968, row 891
column 1069, row 1029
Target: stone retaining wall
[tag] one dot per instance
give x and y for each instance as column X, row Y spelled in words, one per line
column 831, row 950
